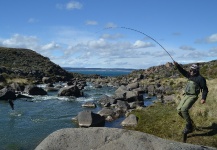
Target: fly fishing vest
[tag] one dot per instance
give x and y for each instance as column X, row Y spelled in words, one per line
column 192, row 88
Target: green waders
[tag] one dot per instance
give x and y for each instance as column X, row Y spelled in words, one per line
column 184, row 106
column 190, row 97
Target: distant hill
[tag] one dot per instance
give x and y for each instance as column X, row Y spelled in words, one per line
column 26, row 63
column 207, row 69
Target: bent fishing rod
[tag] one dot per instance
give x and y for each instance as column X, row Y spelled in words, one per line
column 145, row 35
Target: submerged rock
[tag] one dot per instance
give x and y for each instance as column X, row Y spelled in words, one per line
column 89, row 119
column 89, row 105
column 107, row 112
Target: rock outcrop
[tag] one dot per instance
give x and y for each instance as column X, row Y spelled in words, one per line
column 110, row 139
column 7, row 93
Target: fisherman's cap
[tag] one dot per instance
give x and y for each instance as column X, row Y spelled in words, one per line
column 194, row 67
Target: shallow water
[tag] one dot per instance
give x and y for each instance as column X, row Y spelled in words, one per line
column 34, row 119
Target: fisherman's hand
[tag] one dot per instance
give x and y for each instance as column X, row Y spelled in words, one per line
column 175, row 63
column 202, row 101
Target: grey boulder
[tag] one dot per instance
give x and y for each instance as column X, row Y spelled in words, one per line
column 87, row 118
column 110, row 139
column 72, row 90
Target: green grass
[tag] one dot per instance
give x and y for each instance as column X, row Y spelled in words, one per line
column 163, row 121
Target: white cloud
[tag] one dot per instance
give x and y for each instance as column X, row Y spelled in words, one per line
column 73, row 5
column 99, row 44
column 75, row 48
column 213, row 52
column 195, row 54
column 32, row 20
column 70, row 36
column 110, row 25
column 20, row 41
column 159, row 54
column 70, row 5
column 112, row 36
column 212, row 38
column 188, row 48
column 30, row 42
column 91, row 22
column 50, row 46
column 141, row 44
column 59, row 6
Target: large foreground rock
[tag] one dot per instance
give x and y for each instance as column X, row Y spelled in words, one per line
column 110, row 139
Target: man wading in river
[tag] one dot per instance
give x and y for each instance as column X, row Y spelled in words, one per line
column 195, row 84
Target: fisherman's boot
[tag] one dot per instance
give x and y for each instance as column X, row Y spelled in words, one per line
column 188, row 128
column 194, row 127
column 180, row 114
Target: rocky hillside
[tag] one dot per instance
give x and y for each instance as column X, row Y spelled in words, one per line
column 25, row 63
column 207, row 69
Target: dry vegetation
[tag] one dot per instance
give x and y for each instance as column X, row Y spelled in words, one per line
column 162, row 119
column 26, row 63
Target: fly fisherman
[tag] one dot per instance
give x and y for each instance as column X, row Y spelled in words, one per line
column 195, row 84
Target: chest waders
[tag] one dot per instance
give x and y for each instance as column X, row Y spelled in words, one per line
column 190, row 97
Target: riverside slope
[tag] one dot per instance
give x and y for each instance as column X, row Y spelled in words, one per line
column 110, row 139
column 27, row 64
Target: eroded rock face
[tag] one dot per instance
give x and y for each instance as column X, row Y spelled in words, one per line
column 7, row 93
column 110, row 139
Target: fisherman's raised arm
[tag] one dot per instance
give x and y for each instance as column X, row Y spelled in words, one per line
column 181, row 70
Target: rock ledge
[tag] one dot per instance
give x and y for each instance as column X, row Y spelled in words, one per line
column 110, row 139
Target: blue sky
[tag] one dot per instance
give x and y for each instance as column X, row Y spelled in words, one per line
column 76, row 33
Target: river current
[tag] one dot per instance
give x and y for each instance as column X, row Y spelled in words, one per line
column 34, row 119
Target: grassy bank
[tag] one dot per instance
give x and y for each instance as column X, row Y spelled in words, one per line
column 162, row 120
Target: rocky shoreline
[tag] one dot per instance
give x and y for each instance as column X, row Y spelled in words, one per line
column 157, row 81
column 127, row 97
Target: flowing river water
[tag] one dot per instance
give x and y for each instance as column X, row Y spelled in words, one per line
column 34, row 119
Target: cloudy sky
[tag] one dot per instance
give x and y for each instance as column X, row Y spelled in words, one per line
column 94, row 34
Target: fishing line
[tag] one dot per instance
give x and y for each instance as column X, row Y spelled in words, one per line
column 145, row 35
